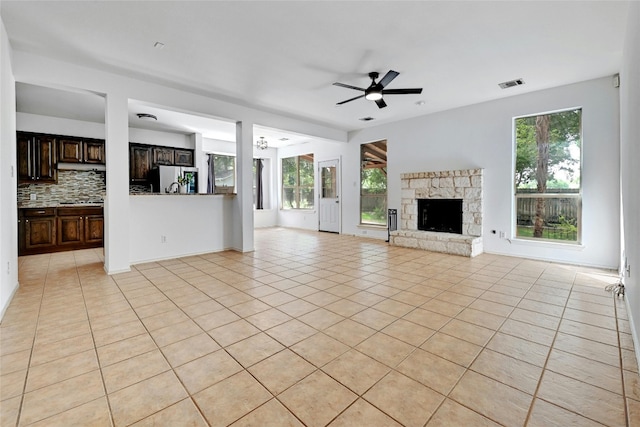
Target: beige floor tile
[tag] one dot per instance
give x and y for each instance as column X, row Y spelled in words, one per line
column 268, row 319
column 176, row 332
column 233, row 332
column 202, row 308
column 320, row 319
column 121, row 350
column 59, row 397
column 271, row 414
column 231, row 399
column 322, row 298
column 319, row 349
column 278, row 298
column 187, row 350
column 579, row 397
column 545, row 414
column 356, row 371
column 407, row 401
column 216, row 319
column 317, row 399
column 587, row 370
column 362, row 413
column 409, row 332
column 43, row 353
column 207, row 371
column 365, row 298
column 152, row 309
column 94, row 413
column 541, row 307
column 291, row 332
column 9, row 410
column 480, row 318
column 633, row 414
column 594, row 333
column 508, row 370
column 133, row 370
column 631, row 385
column 142, row 399
column 281, row 371
column 12, row 385
column 61, row 369
column 428, row 319
column 183, row 413
column 586, row 348
column 528, row 332
column 385, row 349
column 534, row 318
column 442, row 307
column 13, row 362
column 629, row 361
column 513, row 404
column 451, row 348
column 451, row 413
column 345, row 307
column 118, row 333
column 254, row 349
column 435, row 372
column 466, row 331
column 350, row 332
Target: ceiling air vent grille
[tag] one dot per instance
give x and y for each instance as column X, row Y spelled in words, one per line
column 511, row 83
column 366, row 119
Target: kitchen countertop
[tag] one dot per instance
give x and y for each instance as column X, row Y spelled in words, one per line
column 45, row 204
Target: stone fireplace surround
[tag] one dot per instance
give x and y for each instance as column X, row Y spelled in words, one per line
column 463, row 184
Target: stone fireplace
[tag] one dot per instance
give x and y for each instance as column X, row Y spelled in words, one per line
column 450, row 187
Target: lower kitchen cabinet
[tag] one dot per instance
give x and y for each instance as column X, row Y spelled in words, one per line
column 59, row 229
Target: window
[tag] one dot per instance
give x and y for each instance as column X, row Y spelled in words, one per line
column 548, row 193
column 224, row 168
column 297, row 182
column 373, row 183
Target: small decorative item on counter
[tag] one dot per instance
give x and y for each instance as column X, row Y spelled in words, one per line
column 182, row 182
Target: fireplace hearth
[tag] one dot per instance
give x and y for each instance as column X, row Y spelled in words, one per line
column 443, row 215
column 455, row 230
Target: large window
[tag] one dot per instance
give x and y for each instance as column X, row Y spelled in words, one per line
column 548, row 192
column 224, row 170
column 297, row 182
column 373, row 183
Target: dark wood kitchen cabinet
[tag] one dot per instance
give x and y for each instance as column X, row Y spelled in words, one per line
column 38, row 228
column 183, row 157
column 36, row 158
column 163, row 156
column 139, row 163
column 81, row 150
column 46, row 230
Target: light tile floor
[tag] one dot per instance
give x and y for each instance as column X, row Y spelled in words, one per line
column 316, row 329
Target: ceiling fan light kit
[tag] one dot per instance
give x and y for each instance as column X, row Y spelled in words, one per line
column 376, row 90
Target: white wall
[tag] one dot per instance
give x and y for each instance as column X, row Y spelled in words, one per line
column 8, row 180
column 190, row 224
column 630, row 157
column 165, row 139
column 56, row 125
column 480, row 136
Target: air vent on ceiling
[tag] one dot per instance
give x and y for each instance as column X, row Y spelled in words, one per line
column 511, row 83
column 366, row 119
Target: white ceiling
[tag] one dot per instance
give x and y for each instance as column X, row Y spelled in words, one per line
column 284, row 56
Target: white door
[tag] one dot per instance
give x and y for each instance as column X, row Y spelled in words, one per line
column 329, row 196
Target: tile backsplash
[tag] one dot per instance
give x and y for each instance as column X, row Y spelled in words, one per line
column 73, row 185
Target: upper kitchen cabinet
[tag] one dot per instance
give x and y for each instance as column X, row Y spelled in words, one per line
column 183, row 157
column 163, row 156
column 81, row 150
column 139, row 163
column 36, row 158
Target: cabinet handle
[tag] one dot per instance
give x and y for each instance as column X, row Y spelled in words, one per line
column 80, row 217
column 27, row 221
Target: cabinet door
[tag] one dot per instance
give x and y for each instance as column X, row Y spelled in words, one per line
column 93, row 151
column 69, row 150
column 46, row 158
column 163, row 156
column 70, row 230
column 93, row 228
column 26, row 172
column 139, row 163
column 40, row 232
column 183, row 157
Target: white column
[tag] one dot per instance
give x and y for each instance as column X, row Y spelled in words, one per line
column 244, row 187
column 199, row 161
column 116, row 206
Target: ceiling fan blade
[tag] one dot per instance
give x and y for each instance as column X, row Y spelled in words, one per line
column 388, row 78
column 348, row 86
column 349, row 100
column 381, row 103
column 401, row 91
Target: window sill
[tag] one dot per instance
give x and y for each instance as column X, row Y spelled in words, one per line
column 306, row 211
column 372, row 227
column 548, row 244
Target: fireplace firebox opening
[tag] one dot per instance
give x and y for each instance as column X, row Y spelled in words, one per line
column 442, row 215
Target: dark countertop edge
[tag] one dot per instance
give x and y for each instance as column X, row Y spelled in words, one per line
column 179, row 194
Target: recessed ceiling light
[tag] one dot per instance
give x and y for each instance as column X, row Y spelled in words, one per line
column 366, row 119
column 158, row 45
column 148, row 117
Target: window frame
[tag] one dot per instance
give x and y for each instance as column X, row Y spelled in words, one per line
column 556, row 193
column 234, row 169
column 382, row 160
column 297, row 187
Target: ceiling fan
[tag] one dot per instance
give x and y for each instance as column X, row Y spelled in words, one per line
column 376, row 90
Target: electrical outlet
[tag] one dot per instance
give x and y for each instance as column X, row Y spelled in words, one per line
column 8, row 268
column 503, row 235
column 163, row 239
column 364, row 231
